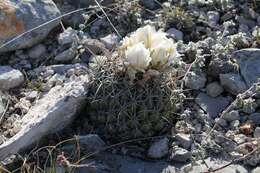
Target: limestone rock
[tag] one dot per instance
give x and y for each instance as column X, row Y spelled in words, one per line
column 50, row 114
column 17, row 17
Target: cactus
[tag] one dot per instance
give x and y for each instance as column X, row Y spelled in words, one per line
column 121, row 111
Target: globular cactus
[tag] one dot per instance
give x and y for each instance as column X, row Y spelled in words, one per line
column 121, row 111
column 133, row 94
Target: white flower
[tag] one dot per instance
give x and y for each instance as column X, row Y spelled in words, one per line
column 158, row 38
column 147, row 49
column 163, row 53
column 137, row 57
column 143, row 35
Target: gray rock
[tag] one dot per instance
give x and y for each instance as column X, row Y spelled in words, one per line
column 37, row 51
column 112, row 163
column 91, row 143
column 257, row 132
column 256, row 170
column 221, row 122
column 227, row 144
column 159, row 148
column 244, row 21
column 10, row 78
column 18, row 17
column 180, row 155
column 150, row 4
column 255, row 117
column 67, row 36
column 195, row 81
column 213, row 18
column 65, row 56
column 174, row 33
column 199, row 166
column 213, row 106
column 233, row 83
column 231, row 116
column 50, row 114
column 214, row 89
column 240, row 138
column 234, row 124
column 110, row 41
column 184, row 140
column 249, row 62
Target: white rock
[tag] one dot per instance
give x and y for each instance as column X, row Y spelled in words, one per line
column 159, row 148
column 184, row 140
column 213, row 18
column 10, row 78
column 67, row 36
column 199, row 166
column 51, row 113
column 169, row 169
column 32, row 95
column 256, row 170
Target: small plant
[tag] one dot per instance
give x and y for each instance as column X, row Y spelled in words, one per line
column 177, row 17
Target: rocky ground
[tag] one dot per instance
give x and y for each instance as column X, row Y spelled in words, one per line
column 46, row 79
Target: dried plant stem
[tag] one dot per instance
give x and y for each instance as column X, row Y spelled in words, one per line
column 108, row 19
column 235, row 160
column 3, row 114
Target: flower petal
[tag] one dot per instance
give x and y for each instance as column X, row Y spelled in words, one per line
column 138, row 57
column 145, row 34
